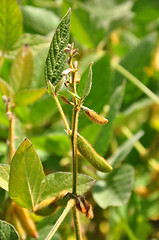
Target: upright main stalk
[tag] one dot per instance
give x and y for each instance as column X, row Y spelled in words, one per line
column 74, row 138
column 74, row 129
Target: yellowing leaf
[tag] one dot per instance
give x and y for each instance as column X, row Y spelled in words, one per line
column 22, row 69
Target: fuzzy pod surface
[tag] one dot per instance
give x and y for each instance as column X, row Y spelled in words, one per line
column 88, row 152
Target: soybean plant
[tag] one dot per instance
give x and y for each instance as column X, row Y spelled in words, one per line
column 61, row 51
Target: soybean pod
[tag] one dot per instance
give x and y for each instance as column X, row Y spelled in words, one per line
column 88, row 152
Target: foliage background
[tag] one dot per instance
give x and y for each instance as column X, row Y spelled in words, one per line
column 104, row 31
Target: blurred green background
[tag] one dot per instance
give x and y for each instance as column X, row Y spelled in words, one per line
column 104, row 31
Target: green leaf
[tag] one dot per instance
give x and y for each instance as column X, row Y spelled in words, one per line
column 56, row 182
column 104, row 137
column 28, row 96
column 35, row 41
column 7, row 231
column 10, row 23
column 80, row 23
column 122, row 151
column 3, row 117
column 32, row 114
column 135, row 61
column 39, row 20
column 6, row 89
column 19, row 132
column 74, row 95
column 27, row 179
column 22, row 69
column 56, row 57
column 85, row 83
column 101, row 87
column 55, row 143
column 115, row 190
column 109, row 14
column 4, row 176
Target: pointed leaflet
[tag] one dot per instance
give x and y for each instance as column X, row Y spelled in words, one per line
column 27, row 179
column 22, row 69
column 115, row 190
column 85, row 83
column 56, row 182
column 10, row 23
column 56, row 57
column 7, row 231
column 4, row 176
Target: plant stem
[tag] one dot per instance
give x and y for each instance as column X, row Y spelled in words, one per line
column 11, row 138
column 139, row 147
column 76, row 110
column 136, row 82
column 76, row 223
column 62, row 113
column 74, row 138
column 10, row 116
column 68, row 207
column 129, row 231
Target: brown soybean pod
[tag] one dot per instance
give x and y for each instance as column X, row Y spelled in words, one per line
column 88, row 152
column 26, row 221
column 94, row 116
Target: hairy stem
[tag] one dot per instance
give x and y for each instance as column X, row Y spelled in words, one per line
column 76, row 110
column 74, row 138
column 76, row 223
column 68, row 207
column 136, row 82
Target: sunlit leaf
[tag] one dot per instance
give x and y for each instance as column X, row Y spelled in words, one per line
column 28, row 96
column 10, row 23
column 27, row 179
column 22, row 69
column 4, row 176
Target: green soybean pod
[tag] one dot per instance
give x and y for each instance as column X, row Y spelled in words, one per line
column 88, row 152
